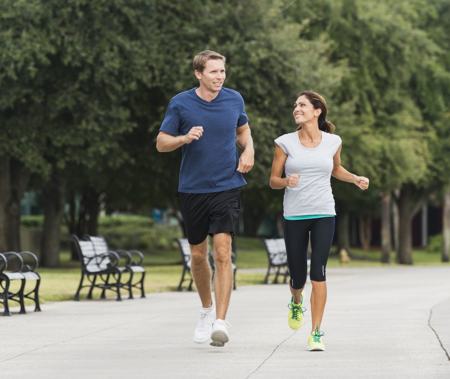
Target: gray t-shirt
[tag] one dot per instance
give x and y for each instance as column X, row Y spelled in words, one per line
column 313, row 195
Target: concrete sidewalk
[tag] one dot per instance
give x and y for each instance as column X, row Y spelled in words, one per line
column 379, row 323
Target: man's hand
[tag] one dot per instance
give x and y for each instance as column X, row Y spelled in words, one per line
column 194, row 134
column 246, row 161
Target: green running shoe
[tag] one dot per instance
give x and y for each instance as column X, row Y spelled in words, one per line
column 295, row 314
column 315, row 341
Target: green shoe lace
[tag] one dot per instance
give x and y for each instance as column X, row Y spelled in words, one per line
column 316, row 335
column 296, row 309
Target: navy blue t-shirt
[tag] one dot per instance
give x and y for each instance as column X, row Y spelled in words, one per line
column 208, row 164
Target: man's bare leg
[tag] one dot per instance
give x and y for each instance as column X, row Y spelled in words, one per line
column 223, row 277
column 201, row 272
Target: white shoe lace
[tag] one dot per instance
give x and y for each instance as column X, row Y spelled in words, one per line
column 204, row 320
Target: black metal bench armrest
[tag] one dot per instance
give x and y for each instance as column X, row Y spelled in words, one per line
column 137, row 258
column 3, row 263
column 30, row 261
column 122, row 254
column 14, row 261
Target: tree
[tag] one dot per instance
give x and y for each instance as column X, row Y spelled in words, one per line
column 96, row 56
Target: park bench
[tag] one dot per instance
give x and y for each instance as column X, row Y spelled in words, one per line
column 186, row 275
column 105, row 270
column 277, row 259
column 133, row 263
column 21, row 267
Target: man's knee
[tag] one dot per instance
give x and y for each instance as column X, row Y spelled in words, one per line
column 199, row 254
column 222, row 256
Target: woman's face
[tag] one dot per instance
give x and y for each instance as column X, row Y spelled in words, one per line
column 304, row 111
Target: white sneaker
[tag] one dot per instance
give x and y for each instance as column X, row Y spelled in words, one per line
column 220, row 335
column 203, row 328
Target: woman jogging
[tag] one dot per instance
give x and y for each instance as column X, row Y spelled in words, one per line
column 308, row 157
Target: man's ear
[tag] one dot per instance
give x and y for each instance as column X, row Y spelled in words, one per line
column 198, row 74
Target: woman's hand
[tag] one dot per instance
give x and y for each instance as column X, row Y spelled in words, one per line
column 292, row 180
column 361, row 182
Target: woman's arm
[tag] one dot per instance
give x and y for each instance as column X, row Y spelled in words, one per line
column 340, row 173
column 276, row 181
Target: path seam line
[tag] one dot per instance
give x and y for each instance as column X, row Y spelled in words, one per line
column 437, row 335
column 269, row 356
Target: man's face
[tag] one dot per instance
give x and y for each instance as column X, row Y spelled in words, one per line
column 213, row 75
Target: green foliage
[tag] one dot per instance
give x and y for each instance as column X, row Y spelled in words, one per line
column 129, row 220
column 85, row 85
column 32, row 221
column 435, row 244
column 69, row 69
column 149, row 240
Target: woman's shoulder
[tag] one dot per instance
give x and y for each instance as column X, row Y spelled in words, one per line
column 334, row 138
column 285, row 141
column 286, row 136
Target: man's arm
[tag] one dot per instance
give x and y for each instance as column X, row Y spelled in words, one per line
column 244, row 140
column 166, row 143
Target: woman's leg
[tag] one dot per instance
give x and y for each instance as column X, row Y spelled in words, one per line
column 322, row 231
column 296, row 236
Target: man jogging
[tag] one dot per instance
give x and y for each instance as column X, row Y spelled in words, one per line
column 207, row 122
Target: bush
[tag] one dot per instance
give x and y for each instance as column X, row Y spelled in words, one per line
column 124, row 232
column 32, row 221
column 436, row 244
column 148, row 239
column 118, row 220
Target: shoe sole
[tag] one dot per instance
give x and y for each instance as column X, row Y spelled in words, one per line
column 219, row 338
column 301, row 324
column 316, row 348
column 201, row 341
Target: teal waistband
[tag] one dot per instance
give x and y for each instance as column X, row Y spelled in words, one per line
column 305, row 217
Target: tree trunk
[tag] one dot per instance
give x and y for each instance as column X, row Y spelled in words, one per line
column 424, row 225
column 365, row 231
column 407, row 207
column 385, row 227
column 53, row 201
column 395, row 221
column 72, row 224
column 5, row 190
column 19, row 181
column 83, row 219
column 446, row 227
column 81, row 223
column 71, row 220
column 343, row 223
column 92, row 211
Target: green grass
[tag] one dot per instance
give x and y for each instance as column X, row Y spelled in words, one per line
column 164, row 269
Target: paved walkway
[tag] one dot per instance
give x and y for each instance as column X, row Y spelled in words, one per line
column 380, row 323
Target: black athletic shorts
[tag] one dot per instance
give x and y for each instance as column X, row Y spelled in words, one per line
column 210, row 213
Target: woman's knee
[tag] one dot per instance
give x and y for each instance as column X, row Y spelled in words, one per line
column 318, row 272
column 297, row 282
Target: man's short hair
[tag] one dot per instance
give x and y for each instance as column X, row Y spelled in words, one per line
column 201, row 58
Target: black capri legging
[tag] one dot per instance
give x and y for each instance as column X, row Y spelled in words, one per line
column 296, row 235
